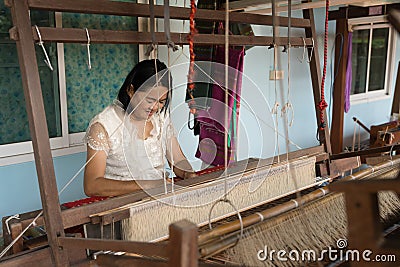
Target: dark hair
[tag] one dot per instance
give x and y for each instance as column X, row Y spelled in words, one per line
column 144, row 73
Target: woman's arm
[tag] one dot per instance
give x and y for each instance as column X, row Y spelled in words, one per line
column 96, row 185
column 94, row 182
column 181, row 166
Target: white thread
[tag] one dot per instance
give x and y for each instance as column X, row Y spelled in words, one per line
column 372, row 168
column 88, row 49
column 41, row 44
column 243, row 101
column 16, row 216
column 20, row 235
column 295, row 202
column 354, row 135
column 260, row 215
column 323, row 191
column 312, row 50
column 304, row 51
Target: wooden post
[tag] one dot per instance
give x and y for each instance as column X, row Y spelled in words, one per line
column 38, row 129
column 339, row 87
column 182, row 244
column 315, row 70
column 396, row 94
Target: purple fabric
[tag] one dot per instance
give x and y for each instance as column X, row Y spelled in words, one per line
column 349, row 73
column 212, row 121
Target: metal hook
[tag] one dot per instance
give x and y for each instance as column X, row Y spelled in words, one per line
column 40, row 43
column 391, row 153
column 312, row 51
column 235, row 209
column 16, row 216
column 150, row 49
column 304, row 51
column 88, row 49
column 172, row 45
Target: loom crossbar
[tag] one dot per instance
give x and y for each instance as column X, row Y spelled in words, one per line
column 35, row 108
column 142, row 248
column 72, row 35
column 231, row 227
column 142, row 10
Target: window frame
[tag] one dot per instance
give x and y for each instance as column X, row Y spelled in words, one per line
column 375, row 23
column 67, row 143
column 21, row 148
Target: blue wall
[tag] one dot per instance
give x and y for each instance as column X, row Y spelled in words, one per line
column 19, row 189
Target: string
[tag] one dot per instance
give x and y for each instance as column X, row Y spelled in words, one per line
column 151, row 47
column 41, row 44
column 66, row 185
column 322, row 104
column 226, row 98
column 246, row 105
column 167, row 27
column 276, row 105
column 193, row 32
column 88, row 49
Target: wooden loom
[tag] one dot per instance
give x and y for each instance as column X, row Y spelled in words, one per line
column 60, row 247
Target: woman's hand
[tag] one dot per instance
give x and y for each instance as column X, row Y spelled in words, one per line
column 189, row 174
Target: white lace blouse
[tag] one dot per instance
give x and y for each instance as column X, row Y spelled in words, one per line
column 129, row 157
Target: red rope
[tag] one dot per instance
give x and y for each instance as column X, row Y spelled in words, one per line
column 191, row 35
column 82, row 202
column 322, row 104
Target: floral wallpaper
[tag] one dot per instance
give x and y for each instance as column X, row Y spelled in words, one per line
column 14, row 125
column 90, row 91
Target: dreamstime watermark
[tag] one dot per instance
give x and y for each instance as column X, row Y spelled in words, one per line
column 340, row 253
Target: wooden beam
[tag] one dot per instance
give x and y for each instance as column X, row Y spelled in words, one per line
column 339, row 166
column 126, row 260
column 370, row 151
column 182, row 248
column 71, row 35
column 315, row 70
column 259, row 7
column 394, row 18
column 358, row 12
column 142, row 10
column 131, row 261
column 15, row 228
column 37, row 257
column 38, row 129
column 142, row 248
column 367, row 186
column 339, row 86
column 363, row 222
column 83, row 214
column 396, row 95
column 40, row 256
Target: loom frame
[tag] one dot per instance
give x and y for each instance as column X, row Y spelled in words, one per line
column 25, row 36
column 367, row 233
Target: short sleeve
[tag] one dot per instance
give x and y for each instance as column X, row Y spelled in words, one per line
column 169, row 128
column 97, row 138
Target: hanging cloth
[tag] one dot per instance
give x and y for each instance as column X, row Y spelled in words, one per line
column 212, row 129
column 349, row 73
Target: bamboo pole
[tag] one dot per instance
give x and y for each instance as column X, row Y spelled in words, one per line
column 209, row 240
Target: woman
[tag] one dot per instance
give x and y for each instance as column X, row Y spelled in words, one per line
column 129, row 140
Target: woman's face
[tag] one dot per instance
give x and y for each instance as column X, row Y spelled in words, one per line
column 146, row 103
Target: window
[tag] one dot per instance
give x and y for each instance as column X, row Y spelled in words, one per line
column 372, row 65
column 14, row 126
column 72, row 93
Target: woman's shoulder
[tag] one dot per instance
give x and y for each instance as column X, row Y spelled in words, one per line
column 109, row 117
